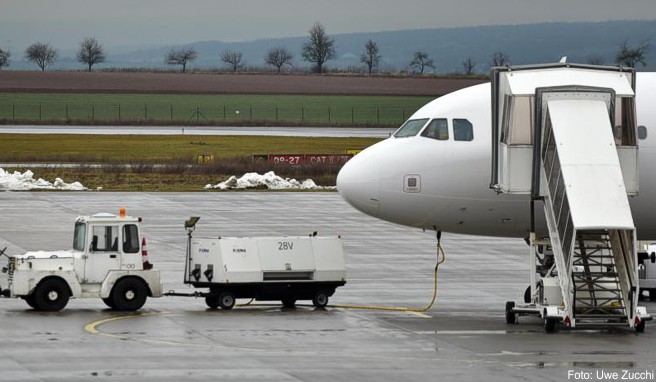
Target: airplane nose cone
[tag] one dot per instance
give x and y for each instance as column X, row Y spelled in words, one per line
column 358, row 182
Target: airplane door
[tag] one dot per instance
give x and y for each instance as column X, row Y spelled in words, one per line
column 104, row 253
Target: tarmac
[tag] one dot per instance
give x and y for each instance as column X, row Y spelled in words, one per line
column 463, row 337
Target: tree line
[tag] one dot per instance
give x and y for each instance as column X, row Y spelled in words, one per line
column 317, row 50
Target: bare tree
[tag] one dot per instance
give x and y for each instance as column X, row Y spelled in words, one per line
column 631, row 56
column 469, row 65
column 421, row 62
column 595, row 59
column 232, row 58
column 500, row 59
column 4, row 58
column 91, row 52
column 370, row 57
column 319, row 49
column 181, row 57
column 278, row 57
column 41, row 54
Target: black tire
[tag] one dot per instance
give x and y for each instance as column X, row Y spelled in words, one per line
column 129, row 294
column 212, row 301
column 30, row 301
column 511, row 318
column 108, row 301
column 226, row 300
column 640, row 328
column 51, row 295
column 527, row 295
column 549, row 325
column 320, row 299
column 289, row 302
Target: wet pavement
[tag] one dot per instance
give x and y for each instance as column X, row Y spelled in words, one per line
column 462, row 337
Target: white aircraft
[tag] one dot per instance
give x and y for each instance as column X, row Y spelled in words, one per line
column 448, row 144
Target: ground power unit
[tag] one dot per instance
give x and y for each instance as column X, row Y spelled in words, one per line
column 283, row 269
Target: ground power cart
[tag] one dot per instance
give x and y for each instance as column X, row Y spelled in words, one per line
column 285, row 269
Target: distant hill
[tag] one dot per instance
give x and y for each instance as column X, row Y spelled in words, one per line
column 449, row 47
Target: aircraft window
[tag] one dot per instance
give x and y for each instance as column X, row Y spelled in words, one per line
column 642, row 132
column 463, row 130
column 437, row 129
column 411, row 128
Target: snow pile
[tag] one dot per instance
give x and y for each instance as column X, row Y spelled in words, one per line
column 269, row 180
column 26, row 181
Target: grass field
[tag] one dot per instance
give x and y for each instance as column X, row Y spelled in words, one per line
column 167, row 163
column 209, row 109
column 65, row 148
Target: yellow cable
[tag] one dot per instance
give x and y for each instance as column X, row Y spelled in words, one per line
column 440, row 251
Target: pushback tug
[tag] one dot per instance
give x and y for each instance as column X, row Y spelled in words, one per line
column 109, row 260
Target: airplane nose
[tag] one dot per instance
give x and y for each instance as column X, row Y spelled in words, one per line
column 358, row 182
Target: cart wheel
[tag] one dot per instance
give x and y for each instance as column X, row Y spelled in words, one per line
column 549, row 325
column 320, row 299
column 226, row 300
column 289, row 302
column 51, row 295
column 640, row 328
column 511, row 318
column 212, row 301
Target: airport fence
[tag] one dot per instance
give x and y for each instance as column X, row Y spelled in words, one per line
column 333, row 115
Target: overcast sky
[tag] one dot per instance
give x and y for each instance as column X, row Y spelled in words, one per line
column 63, row 23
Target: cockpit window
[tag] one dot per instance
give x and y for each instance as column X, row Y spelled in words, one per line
column 463, row 130
column 410, row 128
column 437, row 129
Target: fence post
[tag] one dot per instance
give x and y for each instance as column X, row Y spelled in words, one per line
column 352, row 117
column 224, row 112
column 13, row 111
column 40, row 111
column 276, row 112
column 93, row 113
column 171, row 112
column 250, row 112
column 119, row 111
column 197, row 115
column 378, row 115
column 403, row 115
column 302, row 114
column 329, row 115
column 145, row 112
column 66, row 111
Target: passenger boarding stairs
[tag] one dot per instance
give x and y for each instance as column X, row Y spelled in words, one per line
column 565, row 134
column 587, row 212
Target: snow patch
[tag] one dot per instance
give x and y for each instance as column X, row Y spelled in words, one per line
column 17, row 181
column 269, row 180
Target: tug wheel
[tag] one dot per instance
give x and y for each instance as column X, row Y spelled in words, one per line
column 129, row 294
column 51, row 295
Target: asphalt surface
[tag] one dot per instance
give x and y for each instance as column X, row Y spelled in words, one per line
column 463, row 337
column 357, row 132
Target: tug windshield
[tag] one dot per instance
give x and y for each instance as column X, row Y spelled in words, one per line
column 79, row 236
